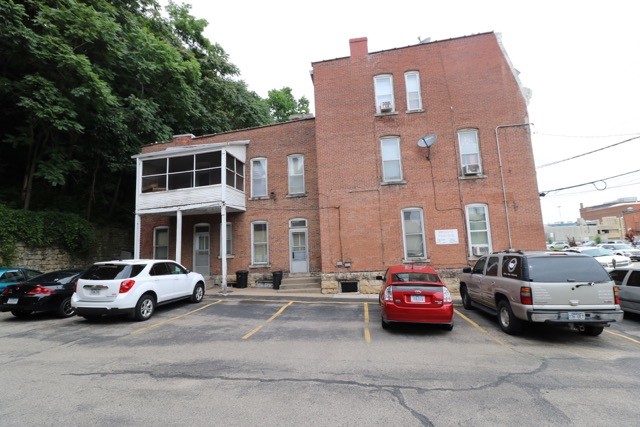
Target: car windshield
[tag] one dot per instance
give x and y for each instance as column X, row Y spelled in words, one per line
column 112, row 271
column 416, row 277
column 566, row 269
column 621, row 246
column 10, row 276
column 62, row 277
column 597, row 252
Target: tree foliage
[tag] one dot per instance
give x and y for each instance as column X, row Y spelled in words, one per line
column 283, row 104
column 85, row 83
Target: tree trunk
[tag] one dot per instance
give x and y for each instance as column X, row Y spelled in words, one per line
column 92, row 194
column 35, row 147
column 115, row 195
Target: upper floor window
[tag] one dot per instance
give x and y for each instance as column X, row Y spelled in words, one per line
column 391, row 161
column 259, row 243
column 161, row 243
column 414, row 100
column 413, row 234
column 478, row 229
column 384, row 94
column 235, row 173
column 469, row 152
column 259, row 177
column 296, row 174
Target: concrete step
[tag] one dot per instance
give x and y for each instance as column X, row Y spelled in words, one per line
column 301, row 284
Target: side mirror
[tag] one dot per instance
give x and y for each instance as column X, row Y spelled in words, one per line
column 466, row 270
column 379, row 278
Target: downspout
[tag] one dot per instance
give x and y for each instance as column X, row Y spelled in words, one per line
column 504, row 189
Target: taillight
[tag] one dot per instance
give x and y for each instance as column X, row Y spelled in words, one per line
column 6, row 291
column 39, row 290
column 525, row 296
column 446, row 294
column 75, row 285
column 126, row 285
column 388, row 293
column 616, row 294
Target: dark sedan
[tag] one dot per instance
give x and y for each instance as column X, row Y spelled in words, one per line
column 47, row 292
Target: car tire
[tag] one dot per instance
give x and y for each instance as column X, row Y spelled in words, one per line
column 466, row 299
column 21, row 314
column 385, row 325
column 592, row 331
column 144, row 308
column 508, row 322
column 448, row 327
column 65, row 309
column 198, row 293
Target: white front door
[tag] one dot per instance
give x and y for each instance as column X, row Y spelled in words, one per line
column 298, row 251
column 201, row 250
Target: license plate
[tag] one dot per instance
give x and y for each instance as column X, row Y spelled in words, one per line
column 577, row 315
column 12, row 301
column 417, row 298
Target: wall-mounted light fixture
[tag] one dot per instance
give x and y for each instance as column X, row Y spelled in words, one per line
column 427, row 141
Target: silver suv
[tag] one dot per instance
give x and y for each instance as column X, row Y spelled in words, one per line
column 542, row 287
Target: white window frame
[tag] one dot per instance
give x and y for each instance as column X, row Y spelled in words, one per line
column 487, row 230
column 254, row 193
column 383, row 97
column 389, row 140
column 292, row 175
column 254, row 243
column 155, row 238
column 422, row 233
column 229, row 241
column 418, row 92
column 465, row 156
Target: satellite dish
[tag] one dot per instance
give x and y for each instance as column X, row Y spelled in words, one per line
column 427, row 140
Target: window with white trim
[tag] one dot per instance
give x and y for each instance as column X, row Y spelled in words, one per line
column 229, row 240
column 469, row 151
column 478, row 229
column 413, row 234
column 414, row 99
column 296, row 174
column 259, row 243
column 391, row 159
column 384, row 94
column 161, row 243
column 259, row 177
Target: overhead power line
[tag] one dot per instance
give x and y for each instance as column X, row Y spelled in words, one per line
column 587, row 153
column 603, row 181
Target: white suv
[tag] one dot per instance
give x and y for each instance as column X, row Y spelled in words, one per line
column 134, row 287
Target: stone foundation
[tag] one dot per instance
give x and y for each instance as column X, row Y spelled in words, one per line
column 367, row 283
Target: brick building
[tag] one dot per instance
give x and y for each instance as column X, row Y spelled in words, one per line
column 416, row 154
column 621, row 215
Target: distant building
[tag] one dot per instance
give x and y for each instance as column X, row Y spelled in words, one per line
column 616, row 217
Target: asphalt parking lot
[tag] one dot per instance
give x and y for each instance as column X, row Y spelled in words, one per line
column 253, row 361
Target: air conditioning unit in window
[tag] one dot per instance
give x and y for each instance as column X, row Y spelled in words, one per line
column 385, row 107
column 479, row 250
column 471, row 169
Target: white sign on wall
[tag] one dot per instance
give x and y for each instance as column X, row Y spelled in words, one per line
column 447, row 237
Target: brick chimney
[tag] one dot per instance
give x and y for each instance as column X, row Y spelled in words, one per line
column 359, row 48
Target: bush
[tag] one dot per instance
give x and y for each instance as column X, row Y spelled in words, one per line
column 39, row 229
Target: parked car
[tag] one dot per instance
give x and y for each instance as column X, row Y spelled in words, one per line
column 46, row 292
column 413, row 294
column 605, row 257
column 589, row 243
column 563, row 288
column 558, row 246
column 134, row 288
column 13, row 275
column 623, row 249
column 628, row 279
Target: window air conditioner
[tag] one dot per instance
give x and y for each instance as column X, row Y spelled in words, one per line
column 385, row 107
column 471, row 169
column 479, row 250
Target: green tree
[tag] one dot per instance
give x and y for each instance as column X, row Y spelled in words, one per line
column 283, row 104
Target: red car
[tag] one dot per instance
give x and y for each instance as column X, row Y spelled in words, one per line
column 415, row 294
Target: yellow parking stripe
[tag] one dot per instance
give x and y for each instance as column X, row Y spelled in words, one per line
column 367, row 333
column 624, row 336
column 277, row 313
column 481, row 329
column 155, row 325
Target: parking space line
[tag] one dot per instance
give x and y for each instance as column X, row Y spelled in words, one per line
column 483, row 330
column 155, row 325
column 367, row 333
column 624, row 336
column 276, row 314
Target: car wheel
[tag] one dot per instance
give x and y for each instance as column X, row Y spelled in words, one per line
column 508, row 322
column 466, row 299
column 21, row 313
column 198, row 293
column 448, row 327
column 65, row 309
column 592, row 331
column 384, row 324
column 144, row 308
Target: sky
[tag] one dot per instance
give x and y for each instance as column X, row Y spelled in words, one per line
column 581, row 59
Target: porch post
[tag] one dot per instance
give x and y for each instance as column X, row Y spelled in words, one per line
column 223, row 223
column 179, row 237
column 136, row 238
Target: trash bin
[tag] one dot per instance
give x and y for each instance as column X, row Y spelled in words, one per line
column 277, row 279
column 241, row 278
